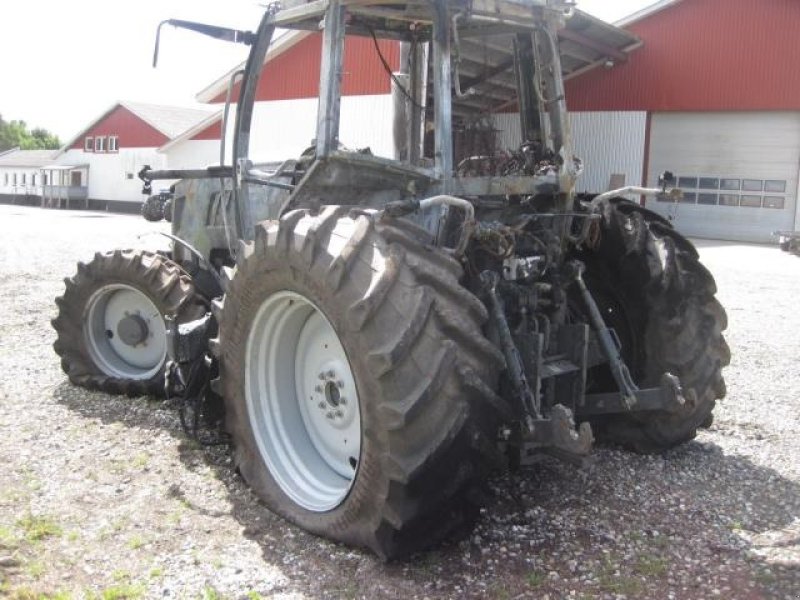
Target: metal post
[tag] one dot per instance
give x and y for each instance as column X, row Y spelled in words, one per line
column 330, row 79
column 530, row 121
column 443, row 101
column 418, row 72
column 244, row 120
column 550, row 88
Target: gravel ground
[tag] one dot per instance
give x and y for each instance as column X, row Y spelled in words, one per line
column 104, row 497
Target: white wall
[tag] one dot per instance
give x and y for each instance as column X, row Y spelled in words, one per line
column 109, row 172
column 609, row 143
column 193, row 154
column 283, row 129
column 20, row 189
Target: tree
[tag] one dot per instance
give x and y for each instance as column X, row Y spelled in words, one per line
column 16, row 134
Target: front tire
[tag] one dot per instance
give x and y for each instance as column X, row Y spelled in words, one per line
column 110, row 324
column 652, row 289
column 404, row 340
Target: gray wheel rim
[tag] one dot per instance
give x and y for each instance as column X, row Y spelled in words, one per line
column 302, row 402
column 105, row 311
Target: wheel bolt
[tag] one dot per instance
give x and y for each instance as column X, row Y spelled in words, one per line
column 322, row 375
column 340, row 383
column 339, row 414
column 329, row 415
column 318, row 389
column 342, row 400
column 321, row 405
column 331, row 374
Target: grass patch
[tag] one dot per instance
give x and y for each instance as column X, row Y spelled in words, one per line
column 621, row 584
column 651, row 566
column 535, row 579
column 122, row 592
column 35, row 569
column 156, row 573
column 136, row 542
column 613, row 580
column 211, row 593
column 37, row 528
column 7, row 538
column 121, row 576
column 140, row 460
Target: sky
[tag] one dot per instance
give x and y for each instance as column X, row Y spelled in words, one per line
column 64, row 63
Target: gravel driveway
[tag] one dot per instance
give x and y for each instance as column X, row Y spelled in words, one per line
column 104, row 497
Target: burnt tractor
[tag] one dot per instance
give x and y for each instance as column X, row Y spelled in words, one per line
column 376, row 336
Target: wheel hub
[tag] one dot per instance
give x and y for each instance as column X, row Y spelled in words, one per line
column 132, row 330
column 302, row 402
column 125, row 332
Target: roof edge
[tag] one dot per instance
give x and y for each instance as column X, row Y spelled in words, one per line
column 645, row 12
column 280, row 45
column 83, row 130
column 192, row 131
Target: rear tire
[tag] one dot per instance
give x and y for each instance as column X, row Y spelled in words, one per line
column 653, row 290
column 422, row 369
column 104, row 293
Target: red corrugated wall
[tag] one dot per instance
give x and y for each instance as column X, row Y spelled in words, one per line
column 704, row 55
column 212, row 132
column 132, row 131
column 295, row 73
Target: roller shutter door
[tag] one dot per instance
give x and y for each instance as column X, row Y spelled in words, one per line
column 738, row 170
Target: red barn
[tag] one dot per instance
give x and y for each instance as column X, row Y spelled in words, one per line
column 713, row 95
column 707, row 89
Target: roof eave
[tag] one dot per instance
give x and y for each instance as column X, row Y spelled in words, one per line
column 281, row 45
column 191, row 132
column 645, row 12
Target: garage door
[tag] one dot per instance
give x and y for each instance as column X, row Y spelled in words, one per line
column 738, row 171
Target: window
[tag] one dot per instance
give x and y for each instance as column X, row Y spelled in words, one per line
column 24, row 178
column 728, row 200
column 750, row 201
column 15, row 179
column 709, row 183
column 752, row 185
column 687, row 182
column 113, row 143
column 689, row 198
column 774, row 202
column 33, row 179
column 99, row 144
column 706, row 198
column 5, row 179
column 774, row 186
column 128, row 175
column 730, row 184
column 44, row 179
column 88, row 144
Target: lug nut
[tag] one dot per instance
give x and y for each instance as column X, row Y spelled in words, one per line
column 329, row 415
column 321, row 405
column 339, row 414
column 331, row 374
column 340, row 383
column 318, row 389
column 322, row 375
column 342, row 400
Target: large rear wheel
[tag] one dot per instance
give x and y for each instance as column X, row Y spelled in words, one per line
column 654, row 292
column 357, row 381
